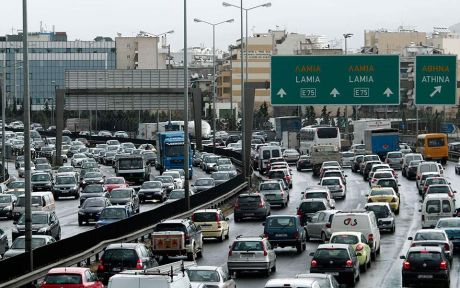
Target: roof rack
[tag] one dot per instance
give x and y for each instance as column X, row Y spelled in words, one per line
column 170, row 270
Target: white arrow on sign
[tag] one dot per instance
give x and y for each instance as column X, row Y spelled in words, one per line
column 281, row 93
column 437, row 89
column 334, row 92
column 388, row 92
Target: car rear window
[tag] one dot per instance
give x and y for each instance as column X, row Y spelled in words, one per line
column 381, row 192
column 280, row 222
column 327, row 254
column 120, row 255
column 422, row 256
column 276, row 153
column 345, row 239
column 438, row 189
column 394, row 155
column 433, row 206
column 170, row 227
column 269, row 186
column 247, row 246
column 429, row 236
column 249, row 199
column 314, row 195
column 63, row 279
column 204, row 217
column 312, row 207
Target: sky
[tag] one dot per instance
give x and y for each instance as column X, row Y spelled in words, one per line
column 86, row 19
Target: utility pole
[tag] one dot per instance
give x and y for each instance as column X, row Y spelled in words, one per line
column 186, row 137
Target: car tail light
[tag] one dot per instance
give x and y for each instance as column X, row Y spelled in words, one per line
column 450, row 194
column 373, row 180
column 218, row 221
column 237, row 204
column 443, row 265
column 418, row 177
column 314, row 263
column 299, row 213
column 261, row 204
column 412, row 245
column 266, row 235
column 446, row 247
column 230, row 252
column 370, row 238
column 282, row 194
column 193, row 217
column 328, row 225
column 349, row 263
column 139, row 264
column 296, row 235
column 265, row 249
column 369, row 200
column 406, row 265
column 359, row 247
column 100, row 267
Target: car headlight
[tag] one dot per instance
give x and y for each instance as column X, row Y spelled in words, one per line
column 80, row 213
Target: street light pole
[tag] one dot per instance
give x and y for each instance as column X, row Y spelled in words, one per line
column 346, row 36
column 214, row 96
column 186, row 137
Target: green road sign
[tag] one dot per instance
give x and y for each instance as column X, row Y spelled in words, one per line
column 351, row 79
column 436, row 80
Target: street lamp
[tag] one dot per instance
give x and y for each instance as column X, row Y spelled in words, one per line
column 214, row 120
column 52, row 101
column 346, row 36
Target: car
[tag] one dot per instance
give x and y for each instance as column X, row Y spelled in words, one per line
column 329, row 164
column 283, row 173
column 384, row 194
column 125, row 196
column 68, row 169
column 228, row 168
column 91, row 209
column 285, row 231
column 113, row 214
column 318, row 192
column 394, row 159
column 457, row 167
column 104, row 133
column 197, row 158
column 440, row 189
column 425, row 264
column 303, row 163
column 355, row 165
column 152, row 190
column 203, row 184
column 19, row 244
column 41, row 181
column 340, row 260
column 178, row 181
column 388, row 182
column 308, row 207
column 433, row 237
column 335, row 173
column 43, row 223
column 93, row 190
column 120, row 256
column 336, row 186
column 213, row 223
column 109, row 157
column 211, row 276
column 379, row 174
column 15, row 187
column 425, row 168
column 366, row 158
column 347, row 158
column 69, row 277
column 274, row 193
column 7, row 202
column 120, row 134
column 91, row 178
column 66, row 184
column 3, row 243
column 451, row 226
column 251, row 205
column 411, row 169
column 319, row 226
column 324, row 280
column 367, row 168
column 359, row 243
column 434, row 180
column 291, row 155
column 251, row 254
column 383, row 214
column 44, row 167
column 18, row 161
column 111, row 183
column 77, row 159
column 407, row 158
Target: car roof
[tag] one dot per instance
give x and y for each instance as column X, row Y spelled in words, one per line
column 207, row 210
column 282, row 215
column 425, row 248
column 123, row 245
column 332, row 246
column 429, row 231
column 347, row 233
column 314, row 200
column 377, row 204
column 437, row 196
column 211, row 268
column 288, row 282
column 331, row 178
column 70, row 270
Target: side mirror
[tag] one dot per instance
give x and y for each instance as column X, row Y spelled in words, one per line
column 410, row 238
column 346, row 175
column 227, row 219
column 302, row 192
column 192, row 185
column 367, row 195
column 79, row 206
column 455, row 191
column 402, row 257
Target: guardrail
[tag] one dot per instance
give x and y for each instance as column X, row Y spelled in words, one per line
column 81, row 247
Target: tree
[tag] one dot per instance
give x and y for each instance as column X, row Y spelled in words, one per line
column 354, row 114
column 325, row 116
column 261, row 116
column 333, row 122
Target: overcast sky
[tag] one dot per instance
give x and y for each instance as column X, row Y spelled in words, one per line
column 86, row 19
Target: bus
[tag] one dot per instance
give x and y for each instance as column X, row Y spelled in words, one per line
column 433, row 146
column 316, row 135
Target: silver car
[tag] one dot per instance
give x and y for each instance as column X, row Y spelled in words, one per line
column 274, row 193
column 251, row 254
column 347, row 158
column 319, row 226
column 394, row 159
column 291, row 155
column 385, row 217
column 212, row 276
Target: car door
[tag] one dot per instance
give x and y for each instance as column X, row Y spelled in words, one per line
column 312, row 226
column 320, row 223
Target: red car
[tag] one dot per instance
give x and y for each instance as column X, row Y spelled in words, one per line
column 71, row 277
column 115, row 182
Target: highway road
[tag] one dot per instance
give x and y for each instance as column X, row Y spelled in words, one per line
column 385, row 271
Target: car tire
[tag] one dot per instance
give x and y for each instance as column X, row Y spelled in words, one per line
column 307, row 237
column 231, row 272
column 373, row 255
column 323, row 237
column 298, row 247
column 237, row 219
column 80, row 222
column 199, row 254
column 378, row 250
column 393, row 229
column 58, row 237
column 227, row 236
column 369, row 264
column 267, row 272
column 191, row 256
column 273, row 268
column 222, row 237
column 397, row 211
column 363, row 268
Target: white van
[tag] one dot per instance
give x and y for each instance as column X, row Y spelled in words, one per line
column 172, row 275
column 41, row 201
column 359, row 221
column 267, row 152
column 428, row 166
column 434, row 207
column 294, row 283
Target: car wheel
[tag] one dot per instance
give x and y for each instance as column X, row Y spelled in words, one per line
column 353, row 281
column 369, row 264
column 231, row 272
column 323, row 237
column 80, row 222
column 298, row 246
column 199, row 254
column 58, row 237
column 393, row 229
column 397, row 211
column 267, row 272
column 222, row 237
column 274, row 268
column 227, row 236
column 363, row 268
column 378, row 251
column 191, row 256
column 307, row 237
column 373, row 256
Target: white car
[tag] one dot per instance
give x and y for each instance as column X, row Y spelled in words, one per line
column 211, row 276
column 77, row 159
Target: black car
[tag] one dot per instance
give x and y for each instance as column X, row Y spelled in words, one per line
column 93, row 190
column 92, row 178
column 252, row 205
column 427, row 264
column 18, row 161
column 43, row 223
column 232, row 139
column 411, row 171
column 124, row 256
column 7, row 202
column 66, row 185
column 339, row 260
column 152, row 190
column 91, row 209
column 41, row 181
column 125, row 196
column 303, row 163
column 367, row 169
column 356, row 161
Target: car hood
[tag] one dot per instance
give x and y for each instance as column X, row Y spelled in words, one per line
column 90, row 195
column 200, row 284
column 91, row 210
column 154, row 190
column 40, row 182
column 13, row 252
column 34, row 227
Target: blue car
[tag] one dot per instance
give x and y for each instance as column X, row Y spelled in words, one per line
column 285, row 231
column 451, row 226
column 113, row 214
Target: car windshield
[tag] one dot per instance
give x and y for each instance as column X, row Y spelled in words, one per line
column 20, row 243
column 65, row 169
column 311, row 195
column 79, row 156
column 93, row 189
column 120, row 193
column 280, row 222
column 151, row 185
column 204, row 182
column 88, row 164
column 5, row 198
column 114, row 181
column 247, row 246
column 177, row 194
column 224, row 168
column 424, row 256
column 40, row 177
column 387, row 183
column 93, row 175
column 16, row 185
column 429, row 236
column 166, row 179
column 435, row 181
column 66, row 180
column 345, row 239
column 94, row 202
column 36, row 219
column 42, row 167
column 203, row 275
column 61, row 279
column 269, row 186
column 311, row 207
column 170, row 227
column 348, row 154
column 381, row 192
column 136, row 163
column 172, row 174
column 219, row 176
column 110, row 213
column 380, row 211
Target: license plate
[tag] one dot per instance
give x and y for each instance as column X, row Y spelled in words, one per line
column 205, row 225
column 281, row 235
column 247, row 256
column 116, row 269
column 334, row 273
column 248, row 214
column 425, row 276
column 64, row 191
